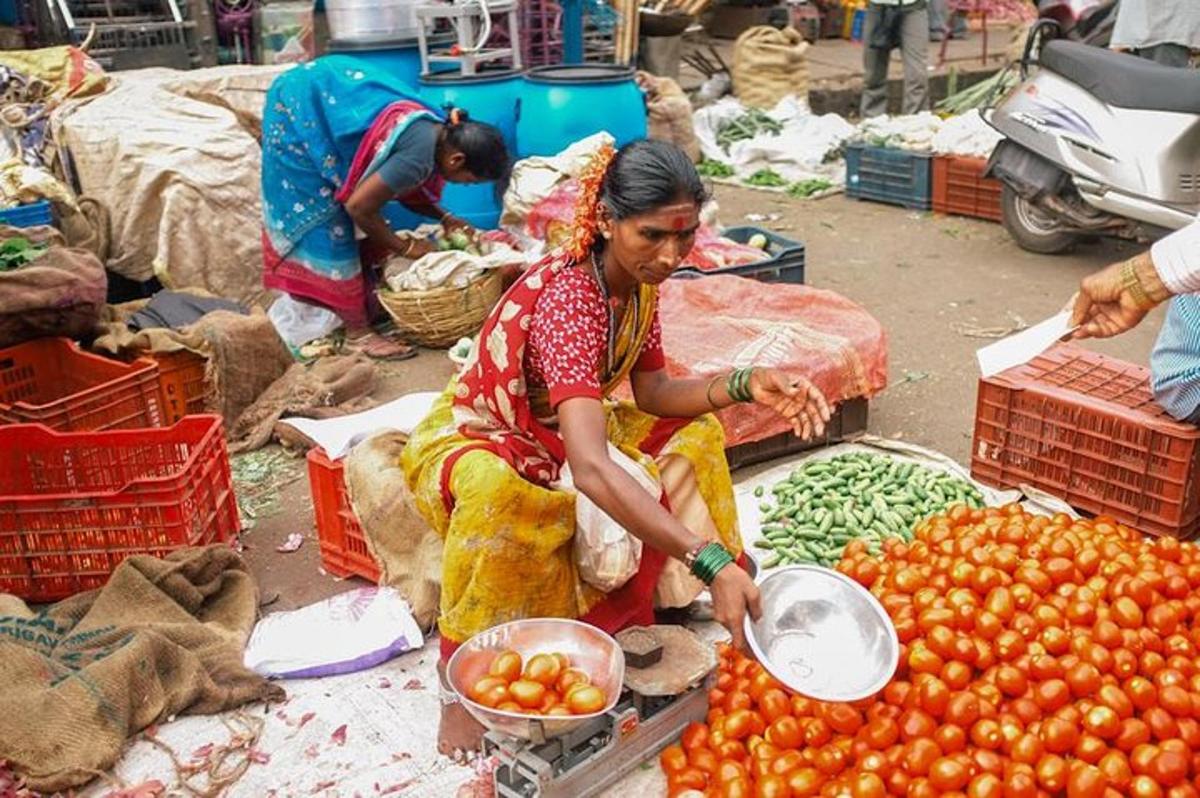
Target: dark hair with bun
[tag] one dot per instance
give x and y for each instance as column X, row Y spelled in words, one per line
column 482, row 145
column 648, row 174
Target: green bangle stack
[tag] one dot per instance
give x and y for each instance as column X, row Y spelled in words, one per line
column 711, row 559
column 738, row 385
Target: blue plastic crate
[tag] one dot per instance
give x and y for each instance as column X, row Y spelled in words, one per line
column 785, row 264
column 31, row 215
column 897, row 177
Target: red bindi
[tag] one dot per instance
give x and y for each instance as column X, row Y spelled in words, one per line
column 679, row 223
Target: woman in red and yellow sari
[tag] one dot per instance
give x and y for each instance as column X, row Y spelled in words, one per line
column 534, row 397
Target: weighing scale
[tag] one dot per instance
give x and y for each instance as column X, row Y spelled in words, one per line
column 666, row 688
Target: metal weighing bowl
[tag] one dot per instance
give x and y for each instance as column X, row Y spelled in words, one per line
column 588, row 648
column 823, row 635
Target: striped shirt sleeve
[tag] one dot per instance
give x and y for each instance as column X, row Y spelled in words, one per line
column 1175, row 361
column 1177, row 260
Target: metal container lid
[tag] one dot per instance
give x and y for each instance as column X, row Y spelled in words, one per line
column 580, row 73
column 455, row 76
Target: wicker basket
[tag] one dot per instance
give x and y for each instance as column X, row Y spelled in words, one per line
column 439, row 317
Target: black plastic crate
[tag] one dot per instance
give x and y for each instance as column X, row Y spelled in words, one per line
column 895, row 177
column 784, row 264
column 849, row 419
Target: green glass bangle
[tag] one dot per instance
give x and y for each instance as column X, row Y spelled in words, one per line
column 743, row 384
column 732, row 385
column 711, row 559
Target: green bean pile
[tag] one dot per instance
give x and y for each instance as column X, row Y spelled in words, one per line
column 825, row 504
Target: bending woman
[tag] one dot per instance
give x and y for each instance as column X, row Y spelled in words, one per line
column 338, row 145
column 533, row 398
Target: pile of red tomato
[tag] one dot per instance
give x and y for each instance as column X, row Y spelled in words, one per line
column 1040, row 656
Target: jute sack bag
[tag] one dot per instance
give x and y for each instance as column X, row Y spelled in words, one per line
column 768, row 65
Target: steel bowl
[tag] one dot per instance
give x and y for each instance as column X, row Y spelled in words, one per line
column 588, row 648
column 823, row 635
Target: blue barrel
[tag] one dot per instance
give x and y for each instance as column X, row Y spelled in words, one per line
column 491, row 97
column 562, row 104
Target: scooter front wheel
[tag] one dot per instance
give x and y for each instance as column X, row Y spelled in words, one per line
column 1032, row 228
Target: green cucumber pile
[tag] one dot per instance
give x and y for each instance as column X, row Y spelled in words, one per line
column 825, row 504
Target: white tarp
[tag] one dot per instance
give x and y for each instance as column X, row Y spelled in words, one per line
column 966, row 134
column 801, row 151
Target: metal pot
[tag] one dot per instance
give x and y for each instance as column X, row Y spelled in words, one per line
column 371, row 21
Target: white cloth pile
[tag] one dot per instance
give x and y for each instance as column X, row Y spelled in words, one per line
column 966, row 134
column 801, row 151
column 915, row 132
column 451, row 269
column 533, row 179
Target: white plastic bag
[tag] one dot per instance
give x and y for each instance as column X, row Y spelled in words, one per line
column 299, row 322
column 349, row 632
column 607, row 556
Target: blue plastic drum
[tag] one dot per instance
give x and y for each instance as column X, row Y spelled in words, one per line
column 562, row 104
column 491, row 97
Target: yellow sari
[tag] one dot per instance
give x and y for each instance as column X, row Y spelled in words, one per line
column 508, row 538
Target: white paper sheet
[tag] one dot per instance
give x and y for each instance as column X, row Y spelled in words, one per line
column 1024, row 346
column 337, row 436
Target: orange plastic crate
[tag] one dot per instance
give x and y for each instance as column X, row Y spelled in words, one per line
column 73, row 505
column 51, row 381
column 959, row 187
column 1085, row 427
column 344, row 549
column 180, row 384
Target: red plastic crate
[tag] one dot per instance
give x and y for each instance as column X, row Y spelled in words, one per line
column 181, row 385
column 1085, row 427
column 73, row 505
column 344, row 549
column 51, row 381
column 959, row 187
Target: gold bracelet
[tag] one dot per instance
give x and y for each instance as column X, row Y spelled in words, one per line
column 1133, row 284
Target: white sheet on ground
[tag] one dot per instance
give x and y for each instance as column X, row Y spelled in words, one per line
column 337, row 436
column 800, row 151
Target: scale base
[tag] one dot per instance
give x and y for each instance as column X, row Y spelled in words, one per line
column 596, row 756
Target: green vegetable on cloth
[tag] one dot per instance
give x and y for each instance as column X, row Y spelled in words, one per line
column 746, row 126
column 709, row 168
column 18, row 252
column 766, row 178
column 825, row 504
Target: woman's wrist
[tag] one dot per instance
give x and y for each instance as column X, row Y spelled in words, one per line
column 708, row 561
column 737, row 385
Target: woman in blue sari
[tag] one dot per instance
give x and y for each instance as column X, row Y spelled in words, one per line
column 339, row 143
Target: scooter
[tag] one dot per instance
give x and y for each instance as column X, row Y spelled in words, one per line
column 1097, row 143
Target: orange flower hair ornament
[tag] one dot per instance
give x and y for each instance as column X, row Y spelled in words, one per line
column 586, row 223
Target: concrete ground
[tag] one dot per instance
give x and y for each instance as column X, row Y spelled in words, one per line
column 933, row 282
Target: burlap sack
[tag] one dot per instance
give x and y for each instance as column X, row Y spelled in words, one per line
column 243, row 354
column 334, row 382
column 407, row 549
column 163, row 637
column 62, row 293
column 669, row 113
column 768, row 65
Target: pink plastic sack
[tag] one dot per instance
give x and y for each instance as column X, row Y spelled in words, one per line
column 713, row 324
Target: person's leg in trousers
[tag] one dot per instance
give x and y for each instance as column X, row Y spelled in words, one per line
column 1172, row 55
column 875, row 67
column 914, row 47
column 939, row 16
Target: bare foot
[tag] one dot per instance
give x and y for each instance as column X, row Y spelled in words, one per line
column 458, row 732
